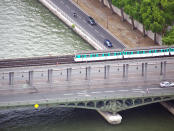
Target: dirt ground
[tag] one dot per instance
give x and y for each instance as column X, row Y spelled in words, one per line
column 121, row 30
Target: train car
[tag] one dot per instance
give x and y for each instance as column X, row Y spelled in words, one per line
column 99, row 55
column 125, row 53
column 172, row 50
column 146, row 52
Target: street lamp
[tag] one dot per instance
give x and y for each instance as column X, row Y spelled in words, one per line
column 107, row 21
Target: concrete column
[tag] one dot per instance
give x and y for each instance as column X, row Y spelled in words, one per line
column 88, row 71
column 161, row 69
column 69, row 70
column 11, row 78
column 145, row 72
column 124, row 71
column 142, row 69
column 164, row 70
column 106, row 71
column 50, row 72
column 30, row 76
column 111, row 118
column 127, row 67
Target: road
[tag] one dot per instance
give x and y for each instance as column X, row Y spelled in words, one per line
column 96, row 31
column 52, row 94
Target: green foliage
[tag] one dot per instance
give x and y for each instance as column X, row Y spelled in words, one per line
column 155, row 15
column 73, row 26
column 168, row 39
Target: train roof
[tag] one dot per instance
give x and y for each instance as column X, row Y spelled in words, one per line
column 120, row 50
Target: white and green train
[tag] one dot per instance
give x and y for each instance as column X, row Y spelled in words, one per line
column 125, row 53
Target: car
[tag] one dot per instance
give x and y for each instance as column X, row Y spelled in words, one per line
column 107, row 43
column 91, row 21
column 166, row 84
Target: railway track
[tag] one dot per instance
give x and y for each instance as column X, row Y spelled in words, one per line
column 37, row 61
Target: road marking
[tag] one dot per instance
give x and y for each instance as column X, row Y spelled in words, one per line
column 67, row 94
column 96, row 92
column 67, row 6
column 109, row 91
column 61, row 2
column 136, row 89
column 155, row 88
column 102, row 35
column 139, row 91
column 123, row 90
column 81, row 93
column 97, row 31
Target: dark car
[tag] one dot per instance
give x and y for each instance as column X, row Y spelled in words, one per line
column 107, row 43
column 91, row 21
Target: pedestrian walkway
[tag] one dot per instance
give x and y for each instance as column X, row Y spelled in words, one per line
column 122, row 30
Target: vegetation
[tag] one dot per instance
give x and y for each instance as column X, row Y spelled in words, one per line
column 155, row 15
column 168, row 39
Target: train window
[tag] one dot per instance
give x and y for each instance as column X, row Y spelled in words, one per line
column 135, row 52
column 108, row 54
column 111, row 54
column 146, row 51
column 149, row 51
column 99, row 55
column 96, row 55
column 78, row 56
column 115, row 53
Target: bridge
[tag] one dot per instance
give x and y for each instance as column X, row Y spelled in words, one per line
column 106, row 86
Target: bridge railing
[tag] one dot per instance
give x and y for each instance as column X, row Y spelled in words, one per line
column 87, row 74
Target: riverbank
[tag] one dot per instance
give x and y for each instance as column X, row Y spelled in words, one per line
column 112, row 22
column 73, row 25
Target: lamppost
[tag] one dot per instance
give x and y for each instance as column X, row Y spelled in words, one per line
column 107, row 21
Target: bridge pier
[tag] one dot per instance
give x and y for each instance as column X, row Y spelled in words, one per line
column 111, row 118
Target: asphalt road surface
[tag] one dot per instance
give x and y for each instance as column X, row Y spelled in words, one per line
column 95, row 30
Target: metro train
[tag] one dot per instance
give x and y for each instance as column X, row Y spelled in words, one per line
column 125, row 53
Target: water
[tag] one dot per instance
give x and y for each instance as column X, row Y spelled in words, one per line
column 27, row 29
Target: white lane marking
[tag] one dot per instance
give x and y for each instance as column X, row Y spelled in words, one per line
column 155, row 88
column 102, row 35
column 97, row 31
column 96, row 92
column 139, row 91
column 123, row 90
column 67, row 6
column 81, row 93
column 136, row 89
column 109, row 91
column 67, row 94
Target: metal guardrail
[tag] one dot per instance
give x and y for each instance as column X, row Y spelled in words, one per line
column 88, row 73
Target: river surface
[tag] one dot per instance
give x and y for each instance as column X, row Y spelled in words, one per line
column 27, row 29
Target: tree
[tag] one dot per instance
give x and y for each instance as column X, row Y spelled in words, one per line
column 168, row 39
column 110, row 5
column 119, row 4
column 130, row 9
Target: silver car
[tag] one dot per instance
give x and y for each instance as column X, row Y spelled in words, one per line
column 166, row 84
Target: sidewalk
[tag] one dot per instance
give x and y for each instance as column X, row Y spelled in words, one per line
column 122, row 30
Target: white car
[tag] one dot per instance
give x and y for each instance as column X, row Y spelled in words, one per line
column 166, row 84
